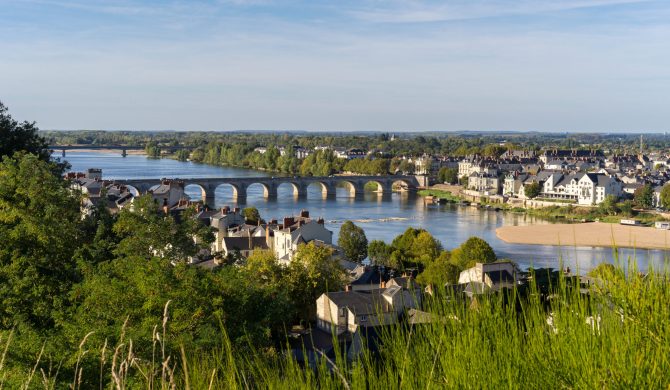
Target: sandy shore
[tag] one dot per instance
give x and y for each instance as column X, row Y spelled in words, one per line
column 587, row 234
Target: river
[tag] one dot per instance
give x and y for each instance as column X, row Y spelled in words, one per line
column 382, row 218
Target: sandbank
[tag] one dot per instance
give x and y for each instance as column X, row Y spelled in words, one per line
column 587, row 234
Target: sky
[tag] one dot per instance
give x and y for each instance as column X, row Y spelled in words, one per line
column 345, row 65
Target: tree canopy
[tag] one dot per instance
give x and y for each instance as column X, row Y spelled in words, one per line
column 353, row 241
column 15, row 136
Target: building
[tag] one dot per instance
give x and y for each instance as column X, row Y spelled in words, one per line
column 485, row 184
column 488, row 277
column 284, row 239
column 348, row 311
column 96, row 191
column 168, row 193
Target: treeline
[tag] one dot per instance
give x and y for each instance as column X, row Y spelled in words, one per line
column 319, row 163
column 401, row 144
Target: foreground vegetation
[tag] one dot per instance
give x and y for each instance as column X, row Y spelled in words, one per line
column 616, row 337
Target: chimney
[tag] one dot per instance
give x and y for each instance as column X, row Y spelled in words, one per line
column 382, row 284
column 236, row 210
column 304, row 213
column 288, row 221
column 225, row 210
column 347, row 288
column 320, row 221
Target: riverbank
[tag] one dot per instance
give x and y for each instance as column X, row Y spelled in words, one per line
column 595, row 234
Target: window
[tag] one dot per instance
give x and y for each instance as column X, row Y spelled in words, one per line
column 342, row 312
column 363, row 318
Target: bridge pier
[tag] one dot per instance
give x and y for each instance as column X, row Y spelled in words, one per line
column 63, row 152
column 240, row 192
column 124, row 153
column 270, row 190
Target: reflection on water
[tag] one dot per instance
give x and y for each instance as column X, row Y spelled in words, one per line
column 382, row 217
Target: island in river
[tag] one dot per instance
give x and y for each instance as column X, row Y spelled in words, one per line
column 595, row 234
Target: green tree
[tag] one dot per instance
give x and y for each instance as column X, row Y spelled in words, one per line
column 15, row 137
column 665, row 196
column 251, row 215
column 447, row 175
column 474, row 250
column 440, row 271
column 40, row 227
column 146, row 231
column 353, row 241
column 312, row 272
column 532, row 190
column 152, row 149
column 644, row 196
column 379, row 252
column 609, row 205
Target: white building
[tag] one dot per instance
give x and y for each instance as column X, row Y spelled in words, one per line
column 295, row 231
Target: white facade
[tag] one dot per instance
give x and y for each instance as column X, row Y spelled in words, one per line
column 287, row 240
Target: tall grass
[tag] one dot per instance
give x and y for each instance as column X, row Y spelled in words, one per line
column 618, row 336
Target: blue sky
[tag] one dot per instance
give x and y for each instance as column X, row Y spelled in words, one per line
column 389, row 65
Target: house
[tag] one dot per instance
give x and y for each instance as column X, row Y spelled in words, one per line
column 484, row 183
column 349, row 311
column 349, row 154
column 168, row 193
column 284, row 239
column 487, row 277
column 595, row 187
column 96, row 190
column 242, row 246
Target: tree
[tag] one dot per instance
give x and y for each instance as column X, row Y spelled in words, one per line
column 379, row 252
column 440, row 271
column 146, row 232
column 251, row 215
column 40, row 227
column 644, row 196
column 665, row 196
column 312, row 272
column 609, row 205
column 353, row 241
column 448, row 175
column 474, row 250
column 152, row 149
column 532, row 190
column 15, row 137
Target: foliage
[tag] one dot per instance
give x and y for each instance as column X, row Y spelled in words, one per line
column 447, row 175
column 644, row 196
column 23, row 137
column 145, row 231
column 251, row 215
column 39, row 230
column 441, row 271
column 152, row 149
column 665, row 197
column 532, row 190
column 353, row 241
column 473, row 250
column 380, row 253
column 312, row 272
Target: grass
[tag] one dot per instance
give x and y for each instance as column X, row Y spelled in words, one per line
column 617, row 337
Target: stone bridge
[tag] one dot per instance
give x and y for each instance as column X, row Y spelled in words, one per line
column 355, row 184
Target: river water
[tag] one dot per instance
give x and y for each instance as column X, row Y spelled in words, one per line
column 382, row 218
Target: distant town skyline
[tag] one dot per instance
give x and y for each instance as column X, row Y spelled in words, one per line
column 366, row 65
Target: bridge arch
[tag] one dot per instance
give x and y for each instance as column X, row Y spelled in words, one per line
column 378, row 186
column 268, row 189
column 325, row 188
column 402, row 185
column 194, row 188
column 238, row 191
